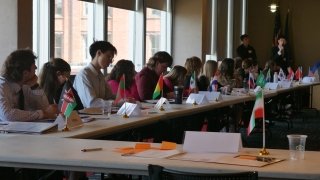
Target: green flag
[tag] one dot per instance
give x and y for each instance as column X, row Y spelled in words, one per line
column 261, row 80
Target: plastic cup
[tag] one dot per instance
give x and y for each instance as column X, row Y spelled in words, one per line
column 297, row 146
column 107, row 107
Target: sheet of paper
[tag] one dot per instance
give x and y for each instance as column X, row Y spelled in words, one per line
column 198, row 141
column 156, row 153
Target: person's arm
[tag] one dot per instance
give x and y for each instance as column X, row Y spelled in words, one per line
column 144, row 86
column 8, row 110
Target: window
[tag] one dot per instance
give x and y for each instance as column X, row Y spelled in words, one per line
column 156, row 33
column 58, row 8
column 58, row 44
column 75, row 30
column 120, row 32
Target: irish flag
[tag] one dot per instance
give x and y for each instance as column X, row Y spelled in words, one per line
column 257, row 112
column 69, row 102
column 121, row 89
column 158, row 89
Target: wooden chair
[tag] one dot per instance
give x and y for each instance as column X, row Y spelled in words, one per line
column 160, row 173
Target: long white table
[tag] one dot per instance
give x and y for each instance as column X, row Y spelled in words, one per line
column 102, row 127
column 65, row 154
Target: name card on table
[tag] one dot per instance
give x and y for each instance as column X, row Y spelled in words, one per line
column 198, row 98
column 130, row 109
column 162, row 103
column 73, row 121
column 285, row 84
column 272, row 86
column 208, row 142
column 308, row 79
column 212, row 96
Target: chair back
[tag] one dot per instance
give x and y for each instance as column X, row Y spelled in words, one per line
column 160, row 173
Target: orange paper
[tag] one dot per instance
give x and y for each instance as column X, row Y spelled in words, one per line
column 165, row 145
column 142, row 146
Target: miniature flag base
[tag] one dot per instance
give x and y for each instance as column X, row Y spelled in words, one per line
column 161, row 108
column 263, row 152
column 125, row 115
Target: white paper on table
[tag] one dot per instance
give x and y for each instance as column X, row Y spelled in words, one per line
column 212, row 96
column 130, row 109
column 198, row 98
column 164, row 103
column 271, row 86
column 199, row 141
column 156, row 153
column 285, row 84
column 308, row 79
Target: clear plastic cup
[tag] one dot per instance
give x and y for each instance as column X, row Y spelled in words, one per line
column 297, row 145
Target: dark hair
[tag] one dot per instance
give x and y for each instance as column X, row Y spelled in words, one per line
column 16, row 63
column 160, row 57
column 48, row 79
column 103, row 46
column 243, row 36
column 227, row 67
column 123, row 67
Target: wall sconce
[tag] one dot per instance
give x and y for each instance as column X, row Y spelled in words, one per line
column 273, row 7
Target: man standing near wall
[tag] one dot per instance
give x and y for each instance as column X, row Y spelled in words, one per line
column 245, row 50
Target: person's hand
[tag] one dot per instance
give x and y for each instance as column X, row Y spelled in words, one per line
column 50, row 112
column 32, row 81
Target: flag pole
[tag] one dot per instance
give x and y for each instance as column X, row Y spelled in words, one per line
column 263, row 151
column 125, row 99
column 66, row 128
column 195, row 86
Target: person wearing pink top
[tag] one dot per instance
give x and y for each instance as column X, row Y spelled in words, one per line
column 125, row 67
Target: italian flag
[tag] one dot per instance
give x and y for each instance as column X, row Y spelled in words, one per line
column 257, row 112
column 121, row 89
column 159, row 87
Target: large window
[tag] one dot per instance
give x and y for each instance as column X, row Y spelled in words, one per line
column 74, row 26
column 137, row 28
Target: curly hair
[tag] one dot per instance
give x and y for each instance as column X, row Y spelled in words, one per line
column 193, row 64
column 123, row 67
column 160, row 57
column 16, row 63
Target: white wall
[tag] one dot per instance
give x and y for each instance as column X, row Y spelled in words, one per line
column 187, row 30
column 8, row 28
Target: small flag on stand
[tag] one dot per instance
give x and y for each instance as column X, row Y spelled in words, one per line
column 310, row 73
column 251, row 82
column 298, row 73
column 69, row 101
column 121, row 89
column 193, row 83
column 290, row 75
column 257, row 112
column 159, row 87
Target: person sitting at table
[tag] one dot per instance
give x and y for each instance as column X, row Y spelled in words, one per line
column 124, row 67
column 90, row 82
column 193, row 66
column 227, row 78
column 175, row 77
column 209, row 71
column 148, row 77
column 53, row 76
column 20, row 96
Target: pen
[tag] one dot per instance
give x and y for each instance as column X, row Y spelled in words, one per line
column 91, row 149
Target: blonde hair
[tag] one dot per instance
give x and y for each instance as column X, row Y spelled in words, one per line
column 210, row 68
column 177, row 75
column 193, row 64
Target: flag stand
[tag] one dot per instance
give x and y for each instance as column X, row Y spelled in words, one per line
column 194, row 103
column 263, row 151
column 65, row 128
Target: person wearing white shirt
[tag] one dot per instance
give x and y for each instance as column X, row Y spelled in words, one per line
column 90, row 82
column 20, row 99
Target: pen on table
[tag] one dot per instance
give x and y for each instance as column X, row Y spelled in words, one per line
column 91, row 149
